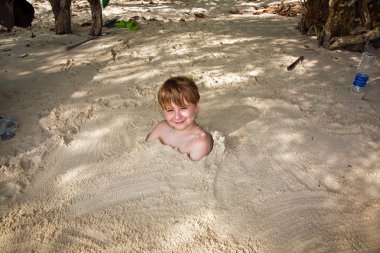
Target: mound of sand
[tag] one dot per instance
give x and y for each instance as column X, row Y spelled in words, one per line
column 295, row 167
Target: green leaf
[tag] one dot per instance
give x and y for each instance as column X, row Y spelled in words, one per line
column 105, row 3
column 121, row 24
column 133, row 25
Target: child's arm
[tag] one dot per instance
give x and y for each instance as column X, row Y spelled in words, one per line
column 200, row 148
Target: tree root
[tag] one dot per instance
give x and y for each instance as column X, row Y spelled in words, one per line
column 345, row 41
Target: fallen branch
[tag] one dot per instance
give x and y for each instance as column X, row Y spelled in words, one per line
column 22, row 56
column 69, row 47
column 340, row 42
column 294, row 64
column 284, row 9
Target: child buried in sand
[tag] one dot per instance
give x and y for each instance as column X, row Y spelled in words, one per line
column 179, row 100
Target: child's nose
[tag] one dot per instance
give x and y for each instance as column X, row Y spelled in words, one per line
column 177, row 114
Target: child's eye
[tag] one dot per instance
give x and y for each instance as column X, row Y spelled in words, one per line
column 183, row 108
column 169, row 110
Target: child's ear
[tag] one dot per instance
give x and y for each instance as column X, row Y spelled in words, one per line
column 197, row 106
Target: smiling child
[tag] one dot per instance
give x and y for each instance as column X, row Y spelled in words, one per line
column 179, row 100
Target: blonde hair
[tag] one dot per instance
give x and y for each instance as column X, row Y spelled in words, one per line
column 178, row 90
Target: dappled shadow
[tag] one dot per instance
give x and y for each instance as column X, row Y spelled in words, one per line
column 290, row 136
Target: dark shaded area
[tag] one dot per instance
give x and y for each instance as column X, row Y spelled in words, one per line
column 341, row 24
column 16, row 13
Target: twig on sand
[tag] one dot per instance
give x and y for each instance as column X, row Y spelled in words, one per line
column 294, row 64
column 69, row 47
column 22, row 56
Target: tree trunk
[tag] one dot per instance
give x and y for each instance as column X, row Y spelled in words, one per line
column 314, row 16
column 362, row 7
column 97, row 21
column 62, row 16
column 339, row 22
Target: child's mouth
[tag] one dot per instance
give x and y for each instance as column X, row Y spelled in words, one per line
column 179, row 122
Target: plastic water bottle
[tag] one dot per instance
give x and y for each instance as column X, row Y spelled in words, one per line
column 362, row 72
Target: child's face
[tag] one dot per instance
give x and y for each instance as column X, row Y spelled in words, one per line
column 181, row 117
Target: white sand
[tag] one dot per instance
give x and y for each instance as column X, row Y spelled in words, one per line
column 295, row 167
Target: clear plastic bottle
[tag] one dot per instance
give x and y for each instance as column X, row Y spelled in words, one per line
column 362, row 72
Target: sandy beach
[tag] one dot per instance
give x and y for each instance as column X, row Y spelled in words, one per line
column 295, row 163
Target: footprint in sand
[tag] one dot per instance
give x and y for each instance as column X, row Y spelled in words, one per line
column 8, row 191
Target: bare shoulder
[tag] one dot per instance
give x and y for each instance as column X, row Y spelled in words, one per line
column 157, row 131
column 201, row 146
